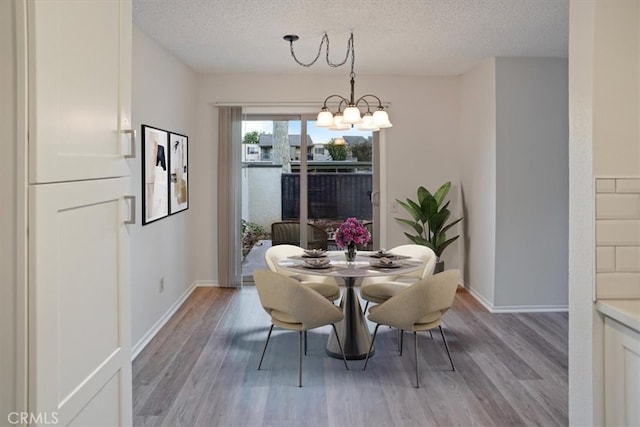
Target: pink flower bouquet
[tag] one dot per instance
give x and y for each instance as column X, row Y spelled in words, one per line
column 352, row 233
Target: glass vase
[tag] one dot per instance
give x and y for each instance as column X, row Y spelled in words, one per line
column 351, row 252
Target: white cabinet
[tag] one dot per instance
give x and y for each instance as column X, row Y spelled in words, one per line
column 79, row 89
column 79, row 103
column 622, row 374
column 80, row 323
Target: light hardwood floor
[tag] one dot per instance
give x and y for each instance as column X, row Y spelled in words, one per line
column 201, row 370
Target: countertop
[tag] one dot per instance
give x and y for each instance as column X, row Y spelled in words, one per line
column 625, row 311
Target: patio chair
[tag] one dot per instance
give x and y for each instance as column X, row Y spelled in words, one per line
column 288, row 233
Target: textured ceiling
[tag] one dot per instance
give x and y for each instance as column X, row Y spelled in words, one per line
column 411, row 37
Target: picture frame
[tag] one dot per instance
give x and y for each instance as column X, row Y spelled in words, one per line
column 178, row 173
column 155, row 174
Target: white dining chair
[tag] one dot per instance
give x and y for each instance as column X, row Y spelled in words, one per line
column 294, row 307
column 379, row 289
column 419, row 307
column 324, row 285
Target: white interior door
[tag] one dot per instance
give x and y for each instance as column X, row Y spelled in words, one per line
column 80, row 356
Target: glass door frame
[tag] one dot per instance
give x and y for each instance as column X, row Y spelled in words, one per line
column 378, row 198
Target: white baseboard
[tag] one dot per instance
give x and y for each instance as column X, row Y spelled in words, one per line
column 481, row 299
column 514, row 308
column 140, row 345
column 205, row 283
column 530, row 308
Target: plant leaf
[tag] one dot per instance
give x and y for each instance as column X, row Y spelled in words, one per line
column 424, row 209
column 436, row 221
column 412, row 238
column 430, row 246
column 418, row 209
column 442, row 192
column 411, row 208
column 422, row 241
column 432, row 206
column 416, row 226
column 448, row 226
column 423, row 194
column 445, row 244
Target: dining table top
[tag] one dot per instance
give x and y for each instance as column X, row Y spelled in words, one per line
column 366, row 264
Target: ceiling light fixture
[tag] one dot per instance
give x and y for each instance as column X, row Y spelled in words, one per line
column 342, row 120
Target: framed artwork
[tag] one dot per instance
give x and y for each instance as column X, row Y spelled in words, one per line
column 155, row 173
column 178, row 173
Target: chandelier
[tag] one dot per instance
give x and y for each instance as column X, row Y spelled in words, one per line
column 343, row 120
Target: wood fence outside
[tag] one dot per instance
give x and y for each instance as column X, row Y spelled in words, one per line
column 330, row 195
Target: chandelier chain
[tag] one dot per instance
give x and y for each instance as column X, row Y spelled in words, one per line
column 325, row 39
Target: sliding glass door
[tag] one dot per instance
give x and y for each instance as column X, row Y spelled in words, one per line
column 299, row 182
column 340, row 178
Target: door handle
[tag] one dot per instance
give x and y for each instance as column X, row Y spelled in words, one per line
column 375, row 198
column 132, row 138
column 132, row 209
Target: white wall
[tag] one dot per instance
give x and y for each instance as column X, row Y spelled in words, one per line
column 164, row 94
column 10, row 375
column 514, row 179
column 422, row 150
column 415, row 156
column 478, row 177
column 261, row 186
column 604, row 119
column 616, row 151
column 532, row 183
column 583, row 336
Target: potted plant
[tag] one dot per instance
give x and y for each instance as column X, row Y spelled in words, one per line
column 430, row 221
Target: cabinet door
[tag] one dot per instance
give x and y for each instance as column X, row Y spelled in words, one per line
column 622, row 374
column 80, row 349
column 79, row 89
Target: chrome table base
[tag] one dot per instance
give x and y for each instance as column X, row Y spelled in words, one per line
column 353, row 330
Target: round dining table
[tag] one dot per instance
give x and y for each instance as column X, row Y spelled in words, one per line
column 353, row 329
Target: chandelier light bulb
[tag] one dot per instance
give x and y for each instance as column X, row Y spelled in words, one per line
column 381, row 119
column 351, row 115
column 325, row 118
column 367, row 123
column 338, row 123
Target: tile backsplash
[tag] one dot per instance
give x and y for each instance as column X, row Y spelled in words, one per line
column 617, row 238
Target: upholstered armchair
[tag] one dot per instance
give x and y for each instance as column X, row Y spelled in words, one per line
column 419, row 307
column 294, row 307
column 324, row 285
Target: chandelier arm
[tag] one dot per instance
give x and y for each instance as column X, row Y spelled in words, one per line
column 365, row 101
column 342, row 100
column 373, row 96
